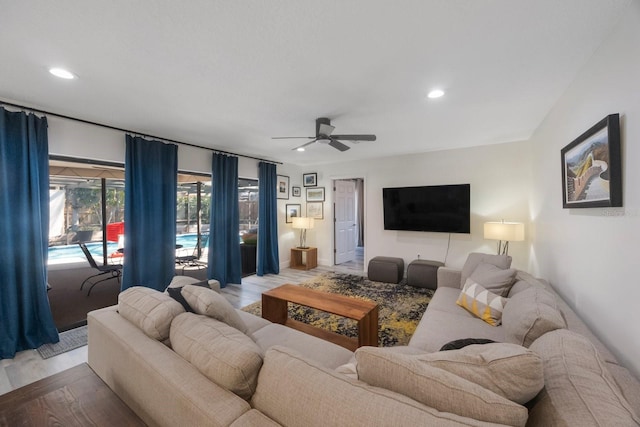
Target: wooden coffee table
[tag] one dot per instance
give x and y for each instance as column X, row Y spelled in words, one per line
column 275, row 309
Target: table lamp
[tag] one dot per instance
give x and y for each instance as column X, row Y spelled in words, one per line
column 504, row 232
column 304, row 224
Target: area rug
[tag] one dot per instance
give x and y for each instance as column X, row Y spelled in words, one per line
column 400, row 307
column 69, row 340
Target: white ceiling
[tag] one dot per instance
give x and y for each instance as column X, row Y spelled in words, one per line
column 232, row 74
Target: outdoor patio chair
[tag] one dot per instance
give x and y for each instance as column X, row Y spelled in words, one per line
column 113, row 270
column 192, row 260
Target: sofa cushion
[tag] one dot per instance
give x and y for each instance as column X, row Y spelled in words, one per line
column 325, row 353
column 150, row 310
column 530, row 314
column 435, row 387
column 473, row 259
column 221, row 353
column 296, row 391
column 494, row 279
column 254, row 418
column 482, row 303
column 579, row 390
column 210, row 303
column 509, row 370
column 440, row 327
column 350, row 369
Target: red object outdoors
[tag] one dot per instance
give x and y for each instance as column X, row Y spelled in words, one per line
column 114, row 230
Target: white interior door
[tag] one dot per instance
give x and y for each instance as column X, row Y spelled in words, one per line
column 345, row 221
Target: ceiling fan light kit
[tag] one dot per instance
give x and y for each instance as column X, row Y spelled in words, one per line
column 324, row 135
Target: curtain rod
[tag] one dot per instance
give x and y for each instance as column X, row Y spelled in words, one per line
column 36, row 110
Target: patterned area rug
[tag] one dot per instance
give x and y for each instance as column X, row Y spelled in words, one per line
column 69, row 340
column 400, row 306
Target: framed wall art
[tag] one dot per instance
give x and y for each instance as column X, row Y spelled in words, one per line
column 315, row 210
column 592, row 167
column 292, row 211
column 282, row 189
column 295, row 191
column 315, row 194
column 310, row 179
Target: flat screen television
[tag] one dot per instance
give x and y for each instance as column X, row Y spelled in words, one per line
column 437, row 208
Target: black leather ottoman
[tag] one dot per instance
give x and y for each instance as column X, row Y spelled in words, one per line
column 423, row 273
column 386, row 269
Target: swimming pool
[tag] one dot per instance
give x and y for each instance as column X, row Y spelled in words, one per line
column 73, row 253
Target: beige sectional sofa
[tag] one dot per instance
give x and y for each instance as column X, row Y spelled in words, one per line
column 224, row 367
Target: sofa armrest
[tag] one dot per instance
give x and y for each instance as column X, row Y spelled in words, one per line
column 449, row 277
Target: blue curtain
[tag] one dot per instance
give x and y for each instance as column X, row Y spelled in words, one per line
column 225, row 263
column 150, row 185
column 268, row 258
column 25, row 316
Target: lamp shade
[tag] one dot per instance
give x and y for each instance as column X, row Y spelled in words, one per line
column 507, row 231
column 303, row 222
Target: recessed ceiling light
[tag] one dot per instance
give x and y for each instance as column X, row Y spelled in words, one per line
column 436, row 93
column 300, row 149
column 62, row 73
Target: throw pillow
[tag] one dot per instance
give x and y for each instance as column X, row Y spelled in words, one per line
column 530, row 314
column 297, row 391
column 212, row 304
column 482, row 303
column 221, row 353
column 475, row 258
column 176, row 294
column 462, row 343
column 180, row 281
column 578, row 387
column 435, row 387
column 494, row 279
column 150, row 310
column 508, row 370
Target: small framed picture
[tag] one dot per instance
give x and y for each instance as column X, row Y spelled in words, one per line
column 315, row 210
column 315, row 194
column 293, row 211
column 295, row 191
column 310, row 179
column 282, row 189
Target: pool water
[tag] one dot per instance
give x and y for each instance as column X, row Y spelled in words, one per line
column 73, row 253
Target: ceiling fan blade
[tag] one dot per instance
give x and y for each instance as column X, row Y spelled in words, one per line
column 355, row 137
column 325, row 129
column 293, row 137
column 338, row 145
column 304, row 145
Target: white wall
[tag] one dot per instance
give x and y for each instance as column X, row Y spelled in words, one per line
column 499, row 176
column 84, row 141
column 591, row 255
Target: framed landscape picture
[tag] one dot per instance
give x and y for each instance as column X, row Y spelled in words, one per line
column 309, row 179
column 282, row 189
column 315, row 210
column 592, row 167
column 315, row 194
column 293, row 211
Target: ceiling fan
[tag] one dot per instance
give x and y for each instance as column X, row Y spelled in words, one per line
column 324, row 135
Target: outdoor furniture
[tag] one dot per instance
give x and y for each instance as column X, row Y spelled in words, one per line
column 113, row 270
column 192, row 260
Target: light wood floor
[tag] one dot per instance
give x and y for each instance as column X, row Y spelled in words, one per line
column 28, row 366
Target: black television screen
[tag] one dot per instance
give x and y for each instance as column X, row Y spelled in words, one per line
column 439, row 208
